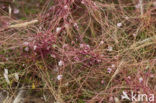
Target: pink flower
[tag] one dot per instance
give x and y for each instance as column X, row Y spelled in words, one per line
column 102, row 81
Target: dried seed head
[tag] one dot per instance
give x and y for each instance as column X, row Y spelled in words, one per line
column 6, row 71
column 6, row 76
column 16, row 76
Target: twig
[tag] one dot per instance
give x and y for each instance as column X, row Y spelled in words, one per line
column 20, row 25
column 141, row 7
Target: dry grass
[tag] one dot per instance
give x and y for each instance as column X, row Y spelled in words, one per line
column 87, row 51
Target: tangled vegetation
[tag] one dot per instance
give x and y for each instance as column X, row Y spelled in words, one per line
column 77, row 51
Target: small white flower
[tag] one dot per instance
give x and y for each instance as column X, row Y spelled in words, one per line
column 88, row 46
column 75, row 24
column 94, row 4
column 113, row 65
column 140, row 79
column 35, row 47
column 58, row 29
column 52, row 55
column 26, row 49
column 137, row 6
column 119, row 24
column 101, row 42
column 65, row 45
column 16, row 11
column 16, row 76
column 59, row 77
column 26, row 43
column 81, row 45
column 109, row 70
column 110, row 48
column 127, row 18
column 65, row 7
column 129, row 77
column 48, row 47
column 60, row 63
column 98, row 60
